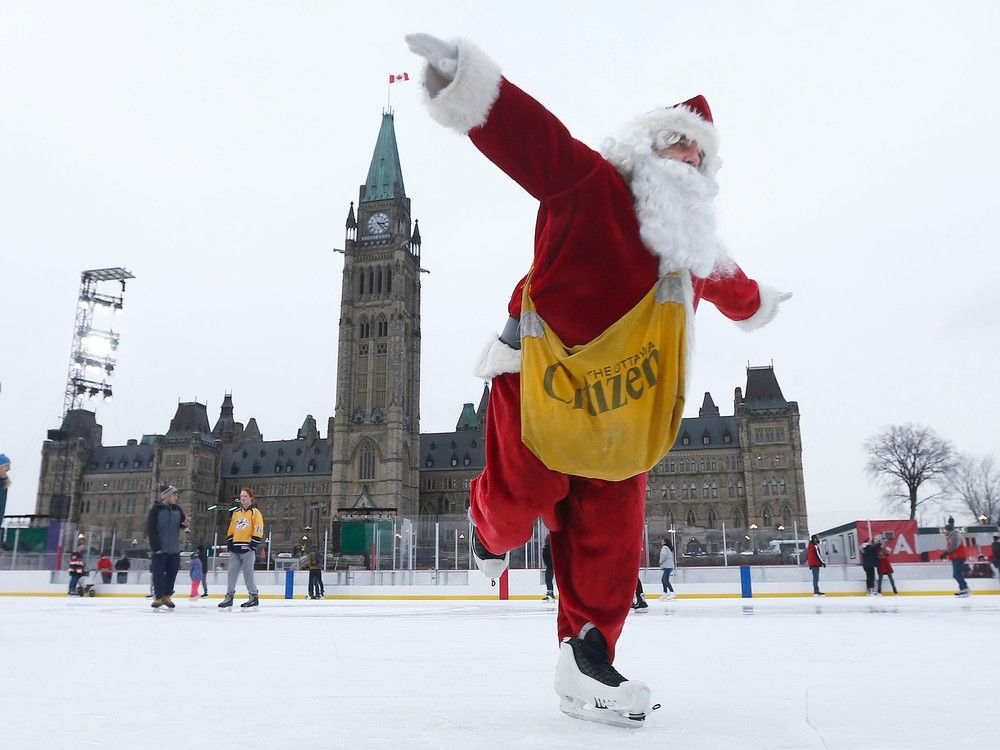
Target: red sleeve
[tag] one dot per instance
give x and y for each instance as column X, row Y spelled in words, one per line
column 736, row 296
column 531, row 145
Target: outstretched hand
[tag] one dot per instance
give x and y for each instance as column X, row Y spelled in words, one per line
column 441, row 57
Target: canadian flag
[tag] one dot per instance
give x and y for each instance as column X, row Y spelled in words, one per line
column 399, row 77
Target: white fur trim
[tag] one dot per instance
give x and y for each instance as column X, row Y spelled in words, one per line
column 496, row 359
column 467, row 100
column 688, row 287
column 769, row 305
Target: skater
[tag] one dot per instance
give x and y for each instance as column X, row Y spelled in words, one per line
column 815, row 561
column 995, row 550
column 163, row 527
column 625, row 246
column 105, row 566
column 954, row 549
column 315, row 566
column 122, row 565
column 885, row 569
column 639, row 603
column 197, row 573
column 203, row 556
column 550, row 595
column 869, row 561
column 77, row 569
column 246, row 530
column 5, row 482
column 667, row 566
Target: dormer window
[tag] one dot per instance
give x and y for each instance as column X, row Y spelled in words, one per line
column 727, row 438
column 706, row 439
column 312, row 466
column 454, row 460
column 685, row 439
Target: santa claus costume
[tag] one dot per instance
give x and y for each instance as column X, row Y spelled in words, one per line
column 609, row 226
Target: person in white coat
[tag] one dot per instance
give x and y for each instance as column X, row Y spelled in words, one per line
column 667, row 566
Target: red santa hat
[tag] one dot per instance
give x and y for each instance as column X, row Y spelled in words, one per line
column 691, row 119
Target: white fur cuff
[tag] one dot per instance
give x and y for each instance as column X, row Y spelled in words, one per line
column 768, row 309
column 496, row 359
column 466, row 101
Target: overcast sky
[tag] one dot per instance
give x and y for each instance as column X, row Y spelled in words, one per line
column 213, row 149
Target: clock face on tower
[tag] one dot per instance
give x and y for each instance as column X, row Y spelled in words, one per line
column 378, row 223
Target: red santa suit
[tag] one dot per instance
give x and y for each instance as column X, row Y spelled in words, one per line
column 590, row 267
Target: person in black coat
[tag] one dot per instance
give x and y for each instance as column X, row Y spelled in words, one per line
column 203, row 556
column 995, row 547
column 869, row 561
column 122, row 565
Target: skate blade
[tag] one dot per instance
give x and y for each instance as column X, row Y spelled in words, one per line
column 579, row 710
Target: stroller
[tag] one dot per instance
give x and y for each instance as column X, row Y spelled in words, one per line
column 87, row 585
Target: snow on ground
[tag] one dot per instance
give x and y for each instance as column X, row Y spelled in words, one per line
column 908, row 672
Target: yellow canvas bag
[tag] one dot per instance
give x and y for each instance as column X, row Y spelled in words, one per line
column 611, row 408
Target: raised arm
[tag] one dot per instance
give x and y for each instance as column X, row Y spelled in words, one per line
column 466, row 92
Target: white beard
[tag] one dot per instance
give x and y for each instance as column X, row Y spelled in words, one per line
column 673, row 202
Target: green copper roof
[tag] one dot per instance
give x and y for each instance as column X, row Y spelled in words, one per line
column 384, row 171
column 467, row 420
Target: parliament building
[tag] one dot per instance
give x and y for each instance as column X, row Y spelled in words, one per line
column 372, row 461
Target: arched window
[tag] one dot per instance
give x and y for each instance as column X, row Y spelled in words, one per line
column 715, row 489
column 378, row 281
column 786, row 515
column 738, row 520
column 684, row 491
column 673, row 492
column 366, row 461
column 361, row 283
column 365, row 329
column 731, row 488
column 388, row 280
column 765, row 515
column 784, row 487
column 371, row 280
column 765, row 488
column 704, row 490
column 739, row 488
column 713, row 519
column 383, row 326
column 691, row 519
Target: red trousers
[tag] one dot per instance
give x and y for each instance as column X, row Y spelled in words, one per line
column 195, row 585
column 596, row 526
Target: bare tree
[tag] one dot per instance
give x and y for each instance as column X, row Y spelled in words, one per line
column 975, row 483
column 905, row 457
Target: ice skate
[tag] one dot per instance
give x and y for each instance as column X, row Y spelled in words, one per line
column 669, row 596
column 490, row 564
column 963, row 593
column 156, row 603
column 167, row 602
column 640, row 606
column 227, row 602
column 251, row 602
column 549, row 597
column 589, row 688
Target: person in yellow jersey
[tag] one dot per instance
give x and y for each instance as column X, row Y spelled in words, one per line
column 246, row 530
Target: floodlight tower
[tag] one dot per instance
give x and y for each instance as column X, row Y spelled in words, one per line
column 92, row 362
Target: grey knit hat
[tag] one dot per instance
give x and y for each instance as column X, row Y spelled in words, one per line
column 170, row 490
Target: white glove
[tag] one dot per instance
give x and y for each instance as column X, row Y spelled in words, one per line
column 784, row 297
column 442, row 60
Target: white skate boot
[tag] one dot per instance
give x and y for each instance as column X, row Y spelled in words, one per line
column 590, row 688
column 490, row 564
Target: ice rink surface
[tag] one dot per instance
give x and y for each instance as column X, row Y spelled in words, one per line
column 907, row 672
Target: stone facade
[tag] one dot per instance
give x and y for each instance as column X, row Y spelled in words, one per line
column 739, row 469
